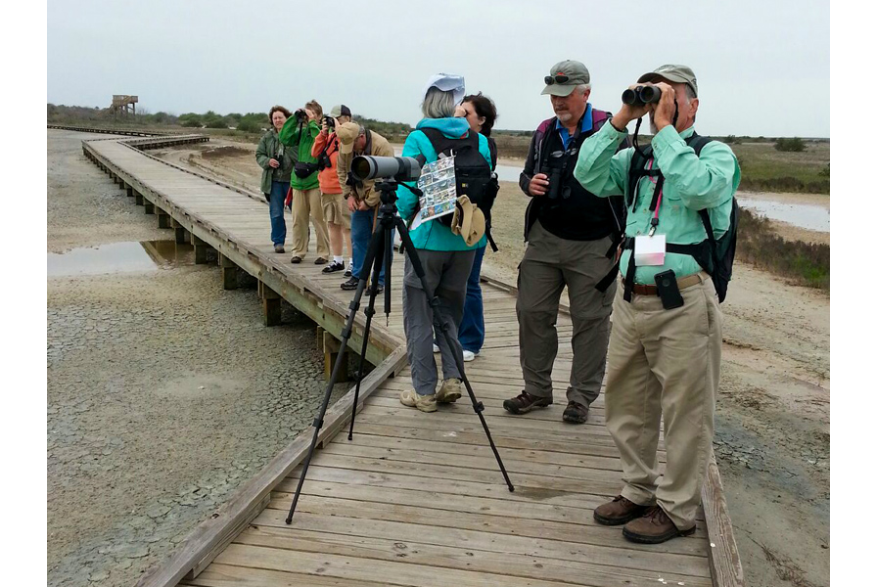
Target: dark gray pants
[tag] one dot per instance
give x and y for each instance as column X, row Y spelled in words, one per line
column 549, row 264
column 446, row 274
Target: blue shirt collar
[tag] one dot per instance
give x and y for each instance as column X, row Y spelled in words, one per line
column 587, row 126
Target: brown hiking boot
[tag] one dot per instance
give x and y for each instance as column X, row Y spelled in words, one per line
column 575, row 413
column 618, row 511
column 653, row 527
column 525, row 402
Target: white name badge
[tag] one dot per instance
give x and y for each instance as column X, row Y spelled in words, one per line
column 649, row 250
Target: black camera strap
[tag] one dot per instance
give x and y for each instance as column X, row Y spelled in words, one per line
column 325, row 156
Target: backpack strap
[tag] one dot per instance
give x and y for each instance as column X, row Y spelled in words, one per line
column 636, row 172
column 441, row 143
column 697, row 142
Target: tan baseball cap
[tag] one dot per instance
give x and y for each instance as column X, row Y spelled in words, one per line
column 468, row 221
column 347, row 134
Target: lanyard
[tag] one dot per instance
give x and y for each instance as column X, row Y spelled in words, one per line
column 657, row 200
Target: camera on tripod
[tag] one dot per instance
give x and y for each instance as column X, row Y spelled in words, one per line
column 396, row 168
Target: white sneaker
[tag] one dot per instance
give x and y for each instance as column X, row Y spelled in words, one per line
column 469, row 356
column 435, row 348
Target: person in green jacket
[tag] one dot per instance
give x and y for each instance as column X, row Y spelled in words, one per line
column 276, row 162
column 299, row 133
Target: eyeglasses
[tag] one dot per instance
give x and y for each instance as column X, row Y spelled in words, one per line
column 559, row 78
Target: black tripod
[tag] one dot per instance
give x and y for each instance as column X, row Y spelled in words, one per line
column 380, row 254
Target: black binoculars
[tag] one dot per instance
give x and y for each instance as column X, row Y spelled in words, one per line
column 641, row 96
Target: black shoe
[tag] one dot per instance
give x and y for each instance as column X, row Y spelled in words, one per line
column 295, row 259
column 350, row 284
column 575, row 413
column 333, row 267
column 525, row 402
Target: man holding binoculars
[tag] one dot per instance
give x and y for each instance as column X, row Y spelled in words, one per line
column 665, row 347
column 571, row 237
column 299, row 133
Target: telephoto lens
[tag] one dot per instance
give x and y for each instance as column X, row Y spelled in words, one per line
column 399, row 168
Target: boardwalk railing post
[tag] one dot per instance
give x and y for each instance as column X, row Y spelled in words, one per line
column 271, row 306
column 229, row 272
column 200, row 250
column 181, row 235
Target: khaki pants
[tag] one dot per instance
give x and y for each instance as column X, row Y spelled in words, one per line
column 308, row 203
column 335, row 210
column 665, row 361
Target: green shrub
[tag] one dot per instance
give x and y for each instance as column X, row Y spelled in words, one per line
column 793, row 145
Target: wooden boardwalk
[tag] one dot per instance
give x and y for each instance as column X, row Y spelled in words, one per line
column 415, row 499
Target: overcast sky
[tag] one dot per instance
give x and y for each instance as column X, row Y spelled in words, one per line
column 762, row 66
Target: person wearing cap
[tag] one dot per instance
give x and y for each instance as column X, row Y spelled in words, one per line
column 276, row 162
column 362, row 199
column 335, row 210
column 446, row 254
column 299, row 133
column 663, row 362
column 571, row 238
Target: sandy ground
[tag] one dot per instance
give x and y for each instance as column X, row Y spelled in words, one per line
column 773, row 421
column 165, row 393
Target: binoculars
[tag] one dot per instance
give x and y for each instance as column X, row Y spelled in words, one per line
column 641, row 95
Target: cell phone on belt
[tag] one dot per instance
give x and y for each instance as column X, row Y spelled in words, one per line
column 668, row 290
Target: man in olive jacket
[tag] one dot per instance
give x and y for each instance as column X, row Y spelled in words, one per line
column 362, row 199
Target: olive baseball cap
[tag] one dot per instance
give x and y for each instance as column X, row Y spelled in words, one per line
column 677, row 74
column 564, row 78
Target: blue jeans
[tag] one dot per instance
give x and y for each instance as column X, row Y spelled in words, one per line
column 471, row 335
column 275, row 210
column 361, row 223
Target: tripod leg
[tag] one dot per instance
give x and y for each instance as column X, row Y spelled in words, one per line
column 388, row 264
column 369, row 313
column 476, row 405
column 345, row 337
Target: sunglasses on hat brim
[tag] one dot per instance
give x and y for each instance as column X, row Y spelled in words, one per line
column 553, row 79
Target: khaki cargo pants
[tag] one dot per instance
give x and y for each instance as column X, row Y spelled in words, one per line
column 308, row 203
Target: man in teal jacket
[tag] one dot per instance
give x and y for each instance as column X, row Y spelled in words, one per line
column 663, row 360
